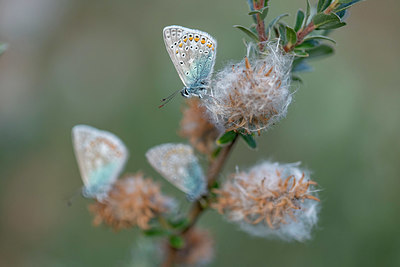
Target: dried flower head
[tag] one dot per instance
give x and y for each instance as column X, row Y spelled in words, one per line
column 198, row 249
column 196, row 127
column 253, row 94
column 132, row 201
column 270, row 200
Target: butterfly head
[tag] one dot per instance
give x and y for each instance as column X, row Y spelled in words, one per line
column 185, row 92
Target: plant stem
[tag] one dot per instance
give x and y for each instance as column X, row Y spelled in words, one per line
column 197, row 208
column 257, row 5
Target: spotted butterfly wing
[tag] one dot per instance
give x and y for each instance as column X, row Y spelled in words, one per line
column 101, row 157
column 193, row 54
column 178, row 164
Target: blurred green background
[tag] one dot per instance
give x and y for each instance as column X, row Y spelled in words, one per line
column 103, row 63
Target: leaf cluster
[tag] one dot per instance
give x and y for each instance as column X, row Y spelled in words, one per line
column 308, row 37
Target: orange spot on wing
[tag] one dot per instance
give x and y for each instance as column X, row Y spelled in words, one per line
column 181, row 44
column 190, row 38
column 197, row 39
column 203, row 41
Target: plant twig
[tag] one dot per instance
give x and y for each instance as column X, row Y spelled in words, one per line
column 198, row 208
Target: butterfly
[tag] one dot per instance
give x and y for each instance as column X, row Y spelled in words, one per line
column 193, row 54
column 178, row 164
column 101, row 157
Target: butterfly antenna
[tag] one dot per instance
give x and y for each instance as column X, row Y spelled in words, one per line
column 70, row 199
column 165, row 101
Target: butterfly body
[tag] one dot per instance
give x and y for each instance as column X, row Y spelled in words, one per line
column 193, row 54
column 101, row 157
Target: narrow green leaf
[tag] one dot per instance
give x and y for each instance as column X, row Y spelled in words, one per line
column 308, row 11
column 176, row 242
column 282, row 33
column 319, row 37
column 248, row 32
column 320, row 51
column 215, row 153
column 347, row 5
column 273, row 23
column 300, row 65
column 331, row 21
column 180, row 223
column 346, row 1
column 226, row 138
column 291, row 37
column 249, row 139
column 3, row 48
column 299, row 20
column 297, row 78
column 322, row 5
column 155, row 232
column 263, row 12
column 308, row 44
column 300, row 53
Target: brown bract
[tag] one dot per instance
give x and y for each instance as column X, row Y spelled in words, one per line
column 197, row 128
column 133, row 201
column 253, row 201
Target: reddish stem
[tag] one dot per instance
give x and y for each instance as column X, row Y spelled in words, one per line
column 197, row 208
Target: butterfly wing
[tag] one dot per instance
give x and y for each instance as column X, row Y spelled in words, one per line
column 178, row 164
column 192, row 52
column 101, row 157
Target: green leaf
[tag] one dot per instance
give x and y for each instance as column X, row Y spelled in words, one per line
column 324, row 22
column 300, row 65
column 299, row 20
column 273, row 23
column 291, row 37
column 282, row 33
column 215, row 153
column 321, row 51
column 249, row 139
column 248, row 32
column 155, row 232
column 263, row 12
column 176, row 241
column 180, row 223
column 347, row 5
column 307, row 45
column 323, row 4
column 300, row 53
column 296, row 78
column 3, row 48
column 308, row 11
column 346, row 1
column 321, row 37
column 226, row 138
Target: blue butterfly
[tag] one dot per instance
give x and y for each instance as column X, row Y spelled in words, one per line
column 101, row 157
column 193, row 54
column 178, row 164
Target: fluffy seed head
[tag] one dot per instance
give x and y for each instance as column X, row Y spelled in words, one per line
column 270, row 200
column 132, row 201
column 196, row 127
column 253, row 94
